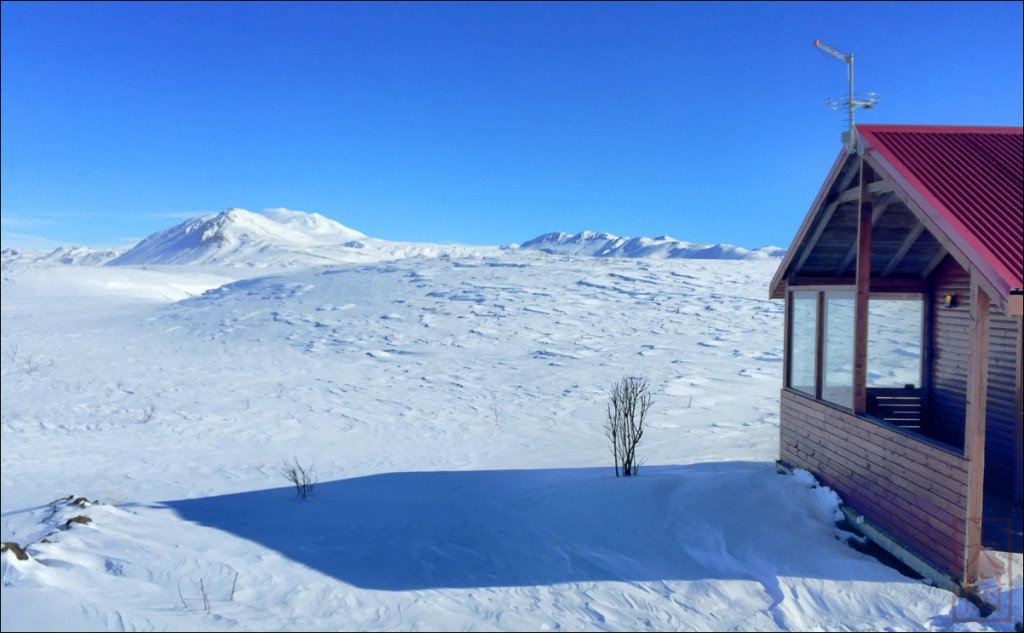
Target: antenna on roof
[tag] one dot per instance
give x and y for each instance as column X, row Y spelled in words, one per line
column 852, row 100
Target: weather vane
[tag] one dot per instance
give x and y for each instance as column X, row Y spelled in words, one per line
column 851, row 101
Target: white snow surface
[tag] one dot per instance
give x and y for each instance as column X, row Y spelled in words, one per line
column 452, row 409
column 591, row 244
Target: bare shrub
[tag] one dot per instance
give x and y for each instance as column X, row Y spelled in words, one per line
column 204, row 598
column 628, row 404
column 303, row 478
column 496, row 410
column 147, row 413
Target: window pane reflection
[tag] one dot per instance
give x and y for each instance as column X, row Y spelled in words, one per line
column 803, row 326
column 894, row 342
column 837, row 386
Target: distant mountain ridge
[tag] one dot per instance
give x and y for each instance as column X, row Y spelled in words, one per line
column 592, row 244
column 282, row 238
column 67, row 255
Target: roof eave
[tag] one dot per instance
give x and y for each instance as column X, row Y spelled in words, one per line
column 777, row 289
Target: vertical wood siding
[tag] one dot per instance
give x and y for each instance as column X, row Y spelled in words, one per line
column 915, row 490
column 951, row 358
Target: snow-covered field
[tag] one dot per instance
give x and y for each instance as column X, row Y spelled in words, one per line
column 452, row 407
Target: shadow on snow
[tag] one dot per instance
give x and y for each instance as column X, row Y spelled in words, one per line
column 424, row 530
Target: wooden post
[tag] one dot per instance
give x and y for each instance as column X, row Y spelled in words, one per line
column 860, row 333
column 974, row 431
column 787, row 337
column 1018, row 483
column 819, row 345
column 927, row 357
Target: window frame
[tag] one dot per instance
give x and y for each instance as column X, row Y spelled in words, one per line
column 923, row 296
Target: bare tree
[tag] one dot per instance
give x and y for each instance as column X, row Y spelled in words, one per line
column 628, row 405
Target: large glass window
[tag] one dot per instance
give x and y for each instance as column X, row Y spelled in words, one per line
column 837, row 383
column 803, row 319
column 894, row 362
column 894, row 341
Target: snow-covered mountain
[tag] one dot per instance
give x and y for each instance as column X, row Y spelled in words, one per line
column 273, row 238
column 591, row 244
column 68, row 255
column 238, row 236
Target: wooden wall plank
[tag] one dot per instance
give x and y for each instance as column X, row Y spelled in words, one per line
column 914, row 489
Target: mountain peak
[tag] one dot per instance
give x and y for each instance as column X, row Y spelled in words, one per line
column 239, row 236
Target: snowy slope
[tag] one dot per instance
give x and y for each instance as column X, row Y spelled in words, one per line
column 588, row 243
column 452, row 409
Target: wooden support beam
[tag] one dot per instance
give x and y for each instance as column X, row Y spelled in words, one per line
column 826, row 217
column 879, row 187
column 935, row 261
column 849, row 168
column 927, row 357
column 852, row 171
column 863, row 293
column 974, row 425
column 840, row 283
column 819, row 346
column 901, row 252
column 852, row 253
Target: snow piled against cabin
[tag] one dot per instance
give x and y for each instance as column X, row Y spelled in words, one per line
column 452, row 407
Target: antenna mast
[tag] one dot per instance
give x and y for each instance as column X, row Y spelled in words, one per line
column 852, row 101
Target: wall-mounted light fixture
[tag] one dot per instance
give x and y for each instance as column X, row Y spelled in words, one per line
column 949, row 301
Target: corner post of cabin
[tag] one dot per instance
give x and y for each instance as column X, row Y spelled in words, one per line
column 1018, row 479
column 860, row 335
column 974, row 431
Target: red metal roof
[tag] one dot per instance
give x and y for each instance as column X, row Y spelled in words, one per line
column 970, row 177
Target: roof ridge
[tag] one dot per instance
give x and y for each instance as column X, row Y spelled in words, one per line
column 940, row 129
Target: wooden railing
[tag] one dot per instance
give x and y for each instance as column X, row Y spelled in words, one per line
column 902, row 407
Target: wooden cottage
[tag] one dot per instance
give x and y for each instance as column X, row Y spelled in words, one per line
column 903, row 334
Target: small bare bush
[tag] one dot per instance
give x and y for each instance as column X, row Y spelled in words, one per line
column 303, row 478
column 148, row 412
column 628, row 404
column 496, row 410
column 204, row 598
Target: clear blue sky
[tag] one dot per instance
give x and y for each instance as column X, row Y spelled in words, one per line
column 466, row 122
